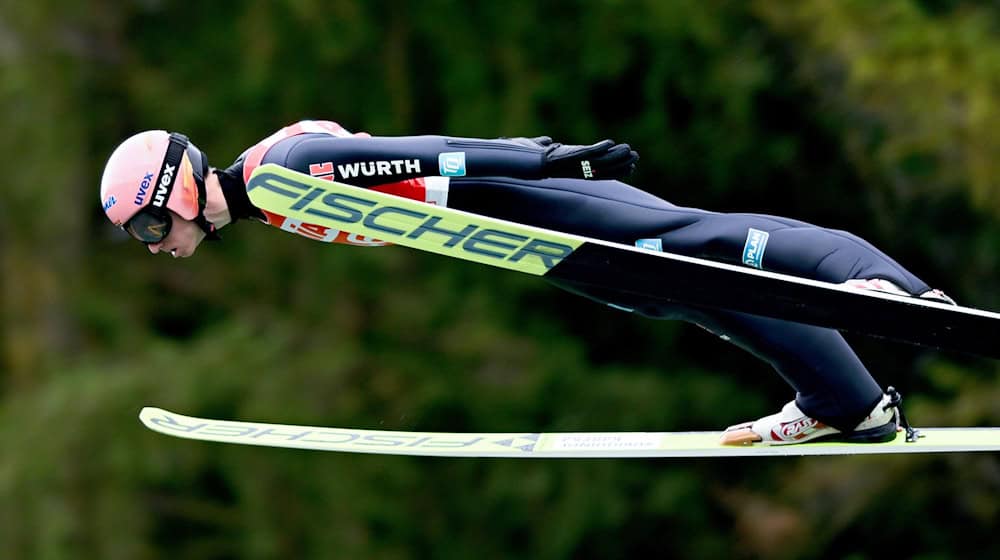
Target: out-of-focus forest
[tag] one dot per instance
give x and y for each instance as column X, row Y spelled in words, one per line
column 881, row 118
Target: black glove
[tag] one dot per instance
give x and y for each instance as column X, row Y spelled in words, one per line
column 603, row 160
column 536, row 142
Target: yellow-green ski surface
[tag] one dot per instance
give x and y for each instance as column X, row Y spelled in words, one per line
column 540, row 445
column 375, row 215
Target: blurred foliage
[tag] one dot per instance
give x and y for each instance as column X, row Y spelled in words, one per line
column 876, row 117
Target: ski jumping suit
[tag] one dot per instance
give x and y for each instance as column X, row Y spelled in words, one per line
column 500, row 178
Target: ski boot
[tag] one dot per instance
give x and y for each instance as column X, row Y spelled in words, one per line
column 791, row 426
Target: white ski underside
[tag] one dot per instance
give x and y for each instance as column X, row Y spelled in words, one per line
column 541, row 445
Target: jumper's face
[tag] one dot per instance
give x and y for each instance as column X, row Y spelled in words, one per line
column 183, row 239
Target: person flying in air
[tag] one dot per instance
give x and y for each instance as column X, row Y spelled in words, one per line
column 159, row 188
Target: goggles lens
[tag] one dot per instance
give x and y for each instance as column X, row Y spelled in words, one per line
column 152, row 223
column 149, row 227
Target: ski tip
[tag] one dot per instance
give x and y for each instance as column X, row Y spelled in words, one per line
column 148, row 414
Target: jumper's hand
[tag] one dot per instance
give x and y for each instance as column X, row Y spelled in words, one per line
column 603, row 160
column 536, row 142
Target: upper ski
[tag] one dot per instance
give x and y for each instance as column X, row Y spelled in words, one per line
column 587, row 264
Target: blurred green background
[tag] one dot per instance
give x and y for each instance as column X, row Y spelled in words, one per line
column 876, row 117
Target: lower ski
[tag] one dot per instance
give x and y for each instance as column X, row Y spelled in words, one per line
column 542, row 445
column 594, row 266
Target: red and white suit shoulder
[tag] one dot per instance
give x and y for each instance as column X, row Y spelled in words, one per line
column 433, row 190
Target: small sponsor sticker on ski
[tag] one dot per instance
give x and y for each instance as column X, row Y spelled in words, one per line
column 606, row 441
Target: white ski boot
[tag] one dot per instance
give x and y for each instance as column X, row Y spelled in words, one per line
column 791, row 426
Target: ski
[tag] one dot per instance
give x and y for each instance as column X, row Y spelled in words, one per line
column 585, row 264
column 564, row 445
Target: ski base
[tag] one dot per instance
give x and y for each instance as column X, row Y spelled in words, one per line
column 542, row 445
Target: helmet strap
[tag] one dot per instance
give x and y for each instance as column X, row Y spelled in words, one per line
column 165, row 180
column 206, row 226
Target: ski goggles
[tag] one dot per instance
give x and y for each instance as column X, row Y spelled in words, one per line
column 149, row 226
column 152, row 223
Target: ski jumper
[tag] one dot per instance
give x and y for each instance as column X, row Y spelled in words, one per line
column 502, row 179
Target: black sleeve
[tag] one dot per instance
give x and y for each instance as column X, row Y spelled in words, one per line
column 378, row 160
column 235, row 193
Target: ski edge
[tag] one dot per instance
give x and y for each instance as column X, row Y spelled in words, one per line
column 555, row 445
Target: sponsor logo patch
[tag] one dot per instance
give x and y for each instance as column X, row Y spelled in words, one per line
column 378, row 168
column 792, row 431
column 323, row 170
column 165, row 181
column 451, row 164
column 654, row 244
column 753, row 250
column 111, row 201
column 318, row 232
column 140, row 196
